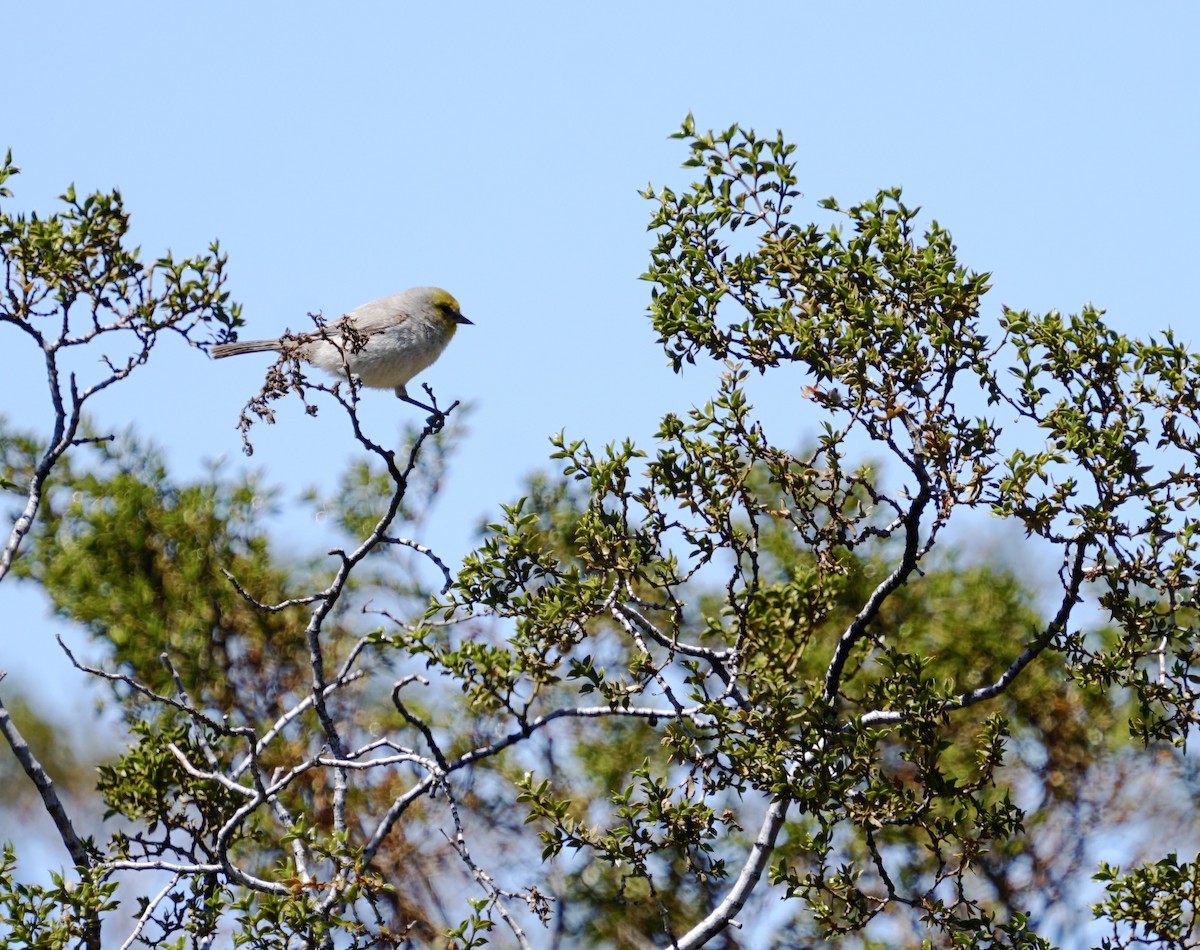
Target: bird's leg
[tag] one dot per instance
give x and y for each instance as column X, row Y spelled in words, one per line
column 437, row 419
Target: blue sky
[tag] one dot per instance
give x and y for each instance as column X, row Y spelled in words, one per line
column 342, row 152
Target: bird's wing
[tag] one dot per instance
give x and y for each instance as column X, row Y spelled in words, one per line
column 378, row 314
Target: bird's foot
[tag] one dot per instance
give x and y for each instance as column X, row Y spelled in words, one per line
column 437, row 418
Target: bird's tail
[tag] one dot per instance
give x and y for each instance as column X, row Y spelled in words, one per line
column 222, row 350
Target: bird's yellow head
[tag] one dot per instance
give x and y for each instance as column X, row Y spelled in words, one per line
column 446, row 307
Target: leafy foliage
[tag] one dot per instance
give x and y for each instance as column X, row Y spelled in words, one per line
column 725, row 675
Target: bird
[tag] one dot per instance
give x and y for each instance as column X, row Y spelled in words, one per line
column 384, row 343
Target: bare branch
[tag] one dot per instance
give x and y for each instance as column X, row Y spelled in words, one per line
column 146, row 914
column 858, row 627
column 82, row 853
column 1056, row 627
column 428, row 552
column 725, row 912
column 272, row 608
column 184, row 705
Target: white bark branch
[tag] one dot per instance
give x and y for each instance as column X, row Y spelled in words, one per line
column 735, row 900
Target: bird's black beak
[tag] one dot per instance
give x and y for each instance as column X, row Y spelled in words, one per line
column 459, row 318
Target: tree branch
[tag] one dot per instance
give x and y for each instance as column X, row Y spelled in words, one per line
column 760, row 853
column 81, row 852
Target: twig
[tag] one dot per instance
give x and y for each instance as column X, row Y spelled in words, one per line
column 428, row 552
column 272, row 608
column 148, row 912
column 182, row 706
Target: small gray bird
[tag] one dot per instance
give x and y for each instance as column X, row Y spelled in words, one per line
column 404, row 333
